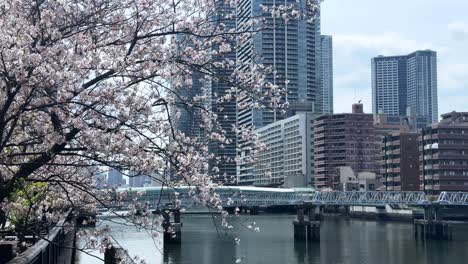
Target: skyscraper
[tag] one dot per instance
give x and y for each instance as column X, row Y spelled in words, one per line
column 226, row 111
column 190, row 115
column 326, row 45
column 291, row 48
column 213, row 88
column 406, row 82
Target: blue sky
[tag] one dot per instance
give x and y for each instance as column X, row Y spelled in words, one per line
column 363, row 29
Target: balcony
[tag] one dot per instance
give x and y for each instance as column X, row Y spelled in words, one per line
column 428, row 177
column 450, row 136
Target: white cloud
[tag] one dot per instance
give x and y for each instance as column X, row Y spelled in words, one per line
column 352, row 78
column 453, row 77
column 345, row 97
column 458, row 30
column 351, row 87
column 386, row 43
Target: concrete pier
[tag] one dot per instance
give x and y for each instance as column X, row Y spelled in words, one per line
column 436, row 230
column 307, row 229
column 254, row 210
column 432, row 226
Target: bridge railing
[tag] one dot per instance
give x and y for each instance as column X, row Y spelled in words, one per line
column 232, row 199
column 235, row 198
column 369, row 198
column 264, row 199
column 453, row 198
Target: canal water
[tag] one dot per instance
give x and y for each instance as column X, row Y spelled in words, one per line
column 342, row 241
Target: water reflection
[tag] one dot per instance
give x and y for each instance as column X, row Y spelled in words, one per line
column 347, row 241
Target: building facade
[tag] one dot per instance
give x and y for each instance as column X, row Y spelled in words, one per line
column 402, row 82
column 343, row 140
column 138, row 180
column 444, row 154
column 287, row 158
column 188, row 118
column 292, row 50
column 400, row 161
column 226, row 110
column 326, row 45
column 362, row 182
column 189, row 121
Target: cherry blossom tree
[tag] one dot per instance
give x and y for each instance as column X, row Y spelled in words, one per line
column 87, row 84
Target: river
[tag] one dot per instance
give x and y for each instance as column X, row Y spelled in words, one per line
column 343, row 240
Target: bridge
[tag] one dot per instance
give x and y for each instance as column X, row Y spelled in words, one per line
column 243, row 196
column 306, row 201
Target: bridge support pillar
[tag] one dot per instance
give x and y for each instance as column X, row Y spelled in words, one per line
column 435, row 230
column 314, row 213
column 254, row 210
column 432, row 226
column 300, row 230
column 307, row 230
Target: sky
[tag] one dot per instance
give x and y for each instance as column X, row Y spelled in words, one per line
column 363, row 29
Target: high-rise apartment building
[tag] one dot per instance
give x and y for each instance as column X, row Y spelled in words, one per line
column 444, row 154
column 288, row 154
column 226, row 111
column 291, row 48
column 400, row 161
column 343, row 140
column 189, row 121
column 326, row 46
column 402, row 82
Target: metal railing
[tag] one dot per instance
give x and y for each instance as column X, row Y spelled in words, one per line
column 453, row 198
column 260, row 198
column 372, row 198
column 49, row 249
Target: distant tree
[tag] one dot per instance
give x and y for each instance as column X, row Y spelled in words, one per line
column 87, row 84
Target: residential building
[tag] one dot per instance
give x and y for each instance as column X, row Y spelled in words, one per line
column 400, row 161
column 444, row 154
column 326, row 51
column 188, row 117
column 226, row 111
column 292, row 50
column 399, row 82
column 343, row 140
column 385, row 124
column 189, row 121
column 287, row 158
column 362, row 182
